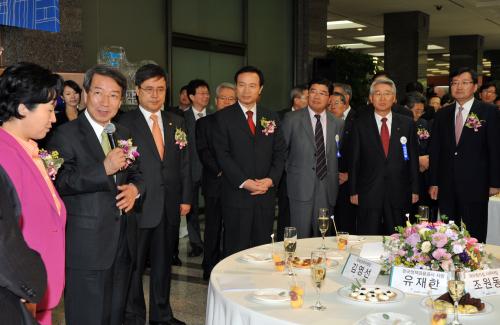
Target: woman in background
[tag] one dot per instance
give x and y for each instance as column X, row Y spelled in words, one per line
column 71, row 96
column 28, row 95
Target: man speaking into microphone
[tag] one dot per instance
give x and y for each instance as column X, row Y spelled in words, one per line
column 99, row 189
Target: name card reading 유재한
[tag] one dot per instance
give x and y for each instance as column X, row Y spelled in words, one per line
column 483, row 283
column 417, row 281
column 358, row 268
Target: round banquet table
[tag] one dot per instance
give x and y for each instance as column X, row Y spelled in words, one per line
column 493, row 221
column 233, row 281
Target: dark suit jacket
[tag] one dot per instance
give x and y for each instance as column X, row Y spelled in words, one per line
column 471, row 167
column 196, row 166
column 22, row 273
column 373, row 176
column 212, row 173
column 168, row 181
column 243, row 156
column 93, row 220
column 176, row 110
column 345, row 141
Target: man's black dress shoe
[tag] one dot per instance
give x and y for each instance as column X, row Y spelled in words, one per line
column 176, row 261
column 195, row 251
column 172, row 321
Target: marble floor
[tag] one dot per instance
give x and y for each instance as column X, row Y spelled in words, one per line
column 188, row 292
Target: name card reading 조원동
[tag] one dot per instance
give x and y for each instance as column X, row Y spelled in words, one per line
column 483, row 283
column 358, row 268
column 418, row 281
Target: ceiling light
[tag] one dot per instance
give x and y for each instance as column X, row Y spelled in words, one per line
column 359, row 29
column 376, row 54
column 434, row 47
column 442, row 64
column 430, row 59
column 342, row 24
column 375, row 38
column 328, row 36
column 446, row 54
column 356, row 46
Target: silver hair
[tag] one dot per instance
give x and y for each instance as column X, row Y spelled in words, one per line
column 296, row 92
column 383, row 81
column 224, row 85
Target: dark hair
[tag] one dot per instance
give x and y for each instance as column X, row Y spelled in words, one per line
column 459, row 71
column 322, row 81
column 250, row 69
column 185, row 87
column 345, row 87
column 342, row 96
column 195, row 84
column 106, row 71
column 414, row 86
column 413, row 98
column 28, row 84
column 487, row 85
column 149, row 71
column 73, row 85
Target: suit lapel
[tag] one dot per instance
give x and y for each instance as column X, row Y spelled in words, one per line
column 307, row 125
column 331, row 133
column 90, row 139
column 395, row 138
column 376, row 134
column 465, row 129
column 142, row 128
column 241, row 121
column 168, row 135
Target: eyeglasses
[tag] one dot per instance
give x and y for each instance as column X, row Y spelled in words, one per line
column 464, row 83
column 151, row 90
column 318, row 92
column 226, row 98
column 384, row 94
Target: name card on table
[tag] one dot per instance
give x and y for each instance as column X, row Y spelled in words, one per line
column 483, row 283
column 358, row 268
column 419, row 282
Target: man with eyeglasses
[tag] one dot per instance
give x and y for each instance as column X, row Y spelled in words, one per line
column 383, row 167
column 312, row 136
column 199, row 94
column 465, row 155
column 488, row 92
column 99, row 193
column 165, row 168
column 212, row 178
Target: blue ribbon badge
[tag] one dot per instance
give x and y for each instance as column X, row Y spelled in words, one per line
column 403, row 141
column 337, row 140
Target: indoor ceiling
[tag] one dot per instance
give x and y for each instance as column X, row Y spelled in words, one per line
column 447, row 17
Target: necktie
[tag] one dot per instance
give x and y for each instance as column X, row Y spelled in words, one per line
column 157, row 135
column 200, row 115
column 384, row 136
column 459, row 124
column 251, row 125
column 106, row 146
column 320, row 148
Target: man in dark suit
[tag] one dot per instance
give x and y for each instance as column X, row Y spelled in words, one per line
column 345, row 211
column 464, row 155
column 184, row 103
column 383, row 171
column 165, row 168
column 311, row 136
column 98, row 190
column 23, row 278
column 199, row 96
column 212, row 179
column 298, row 97
column 251, row 154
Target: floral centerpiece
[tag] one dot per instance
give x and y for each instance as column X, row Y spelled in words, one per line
column 434, row 246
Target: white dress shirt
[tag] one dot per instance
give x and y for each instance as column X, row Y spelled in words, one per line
column 95, row 126
column 203, row 113
column 378, row 118
column 465, row 112
column 344, row 115
column 147, row 116
column 244, row 109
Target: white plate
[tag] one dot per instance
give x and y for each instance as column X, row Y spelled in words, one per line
column 345, row 292
column 393, row 318
column 488, row 308
column 271, row 295
column 256, row 258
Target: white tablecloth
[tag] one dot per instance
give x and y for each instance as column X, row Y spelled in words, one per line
column 236, row 306
column 493, row 221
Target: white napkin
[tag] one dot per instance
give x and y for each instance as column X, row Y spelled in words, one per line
column 272, row 295
column 393, row 319
column 372, row 251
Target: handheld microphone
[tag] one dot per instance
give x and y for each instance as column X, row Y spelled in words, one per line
column 110, row 129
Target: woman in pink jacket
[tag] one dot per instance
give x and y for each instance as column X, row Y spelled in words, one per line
column 28, row 95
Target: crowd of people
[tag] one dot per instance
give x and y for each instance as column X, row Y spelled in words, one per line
column 103, row 199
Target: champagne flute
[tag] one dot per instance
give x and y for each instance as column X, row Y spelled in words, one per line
column 290, row 243
column 456, row 288
column 318, row 273
column 323, row 222
column 423, row 212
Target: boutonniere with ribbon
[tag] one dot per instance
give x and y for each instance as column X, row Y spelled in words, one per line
column 129, row 150
column 473, row 122
column 180, row 138
column 403, row 141
column 337, row 141
column 268, row 126
column 423, row 134
column 51, row 161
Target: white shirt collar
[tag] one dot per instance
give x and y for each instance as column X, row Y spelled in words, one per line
column 245, row 109
column 95, row 126
column 313, row 113
column 388, row 116
column 346, row 112
column 467, row 105
column 196, row 112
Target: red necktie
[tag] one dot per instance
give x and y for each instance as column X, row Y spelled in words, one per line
column 384, row 136
column 251, row 125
